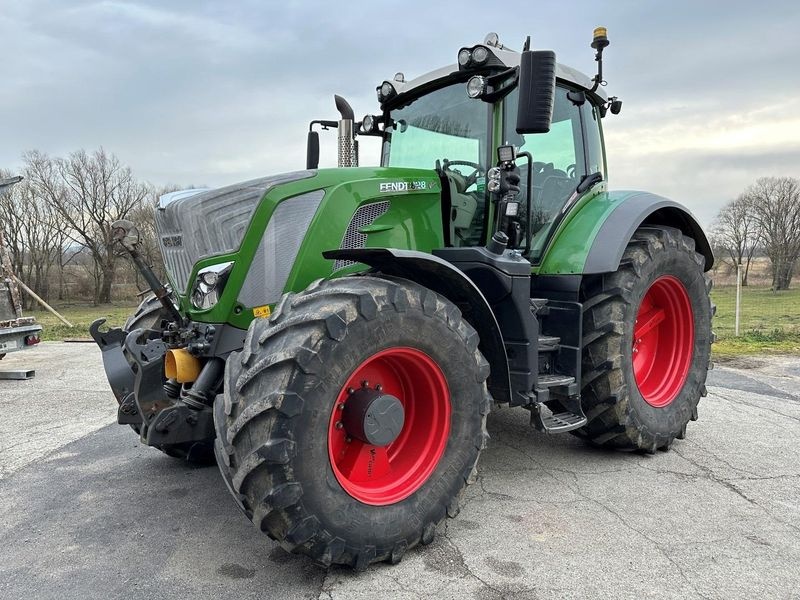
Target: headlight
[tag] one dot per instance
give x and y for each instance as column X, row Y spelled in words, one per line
column 463, row 57
column 210, row 278
column 209, row 285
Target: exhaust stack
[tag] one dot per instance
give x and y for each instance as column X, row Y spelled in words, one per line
column 348, row 146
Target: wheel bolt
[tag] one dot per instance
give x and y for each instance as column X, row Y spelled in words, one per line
column 340, row 406
column 350, row 390
column 379, row 388
column 339, row 425
column 348, row 439
column 365, row 383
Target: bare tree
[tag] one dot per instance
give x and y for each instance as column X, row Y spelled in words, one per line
column 34, row 236
column 10, row 211
column 737, row 233
column 89, row 192
column 775, row 205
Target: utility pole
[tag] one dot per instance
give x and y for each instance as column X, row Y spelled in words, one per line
column 738, row 296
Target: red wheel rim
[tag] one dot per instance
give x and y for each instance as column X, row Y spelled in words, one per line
column 663, row 341
column 381, row 475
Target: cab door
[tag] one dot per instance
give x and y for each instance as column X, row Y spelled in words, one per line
column 570, row 151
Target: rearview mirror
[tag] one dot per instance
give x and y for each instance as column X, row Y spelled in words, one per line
column 312, row 150
column 537, row 83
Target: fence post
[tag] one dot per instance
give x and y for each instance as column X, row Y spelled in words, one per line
column 738, row 296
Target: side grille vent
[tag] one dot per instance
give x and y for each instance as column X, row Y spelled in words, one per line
column 365, row 215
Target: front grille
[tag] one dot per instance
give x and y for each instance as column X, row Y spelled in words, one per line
column 278, row 249
column 353, row 238
column 210, row 223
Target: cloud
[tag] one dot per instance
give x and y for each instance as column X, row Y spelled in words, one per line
column 209, row 92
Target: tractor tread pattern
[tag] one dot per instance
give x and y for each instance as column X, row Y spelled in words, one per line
column 298, row 337
column 611, row 423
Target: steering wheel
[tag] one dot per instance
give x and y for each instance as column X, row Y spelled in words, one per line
column 472, row 177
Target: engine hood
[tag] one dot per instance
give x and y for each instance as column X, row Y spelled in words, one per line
column 195, row 224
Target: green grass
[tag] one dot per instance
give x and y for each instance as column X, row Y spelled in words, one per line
column 769, row 321
column 81, row 316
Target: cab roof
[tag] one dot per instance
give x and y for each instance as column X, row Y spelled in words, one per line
column 406, row 90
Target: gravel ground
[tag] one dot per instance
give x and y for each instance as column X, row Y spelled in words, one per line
column 90, row 513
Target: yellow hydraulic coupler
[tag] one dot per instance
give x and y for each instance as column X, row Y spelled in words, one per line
column 181, row 366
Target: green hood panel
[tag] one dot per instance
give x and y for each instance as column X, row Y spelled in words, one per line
column 412, row 220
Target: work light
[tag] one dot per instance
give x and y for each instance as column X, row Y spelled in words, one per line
column 506, row 154
column 476, row 86
column 368, row 124
column 479, row 55
column 385, row 91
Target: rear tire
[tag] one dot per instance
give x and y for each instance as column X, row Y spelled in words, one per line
column 277, row 422
column 148, row 315
column 640, row 391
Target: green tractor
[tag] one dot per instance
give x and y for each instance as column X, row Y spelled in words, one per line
column 335, row 338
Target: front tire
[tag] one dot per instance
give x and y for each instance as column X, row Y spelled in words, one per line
column 647, row 343
column 148, row 315
column 312, row 479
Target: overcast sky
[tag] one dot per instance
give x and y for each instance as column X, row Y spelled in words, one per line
column 192, row 92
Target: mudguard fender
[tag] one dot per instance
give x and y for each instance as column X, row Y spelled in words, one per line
column 444, row 279
column 642, row 208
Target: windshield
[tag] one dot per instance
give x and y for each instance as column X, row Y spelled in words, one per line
column 449, row 127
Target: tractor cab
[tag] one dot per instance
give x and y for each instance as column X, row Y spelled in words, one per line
column 454, row 119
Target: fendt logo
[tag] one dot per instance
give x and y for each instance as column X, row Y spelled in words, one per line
column 403, row 186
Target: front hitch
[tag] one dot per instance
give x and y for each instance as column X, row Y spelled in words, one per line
column 165, row 420
column 120, row 376
column 134, row 365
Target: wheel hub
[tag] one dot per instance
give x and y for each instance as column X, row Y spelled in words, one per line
column 389, row 426
column 663, row 341
column 373, row 416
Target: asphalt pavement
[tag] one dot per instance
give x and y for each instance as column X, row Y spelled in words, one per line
column 87, row 512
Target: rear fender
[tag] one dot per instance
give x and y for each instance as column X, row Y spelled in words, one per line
column 444, row 279
column 593, row 239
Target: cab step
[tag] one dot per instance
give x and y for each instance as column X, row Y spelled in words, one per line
column 548, row 343
column 539, row 307
column 545, row 420
column 570, row 415
column 563, row 385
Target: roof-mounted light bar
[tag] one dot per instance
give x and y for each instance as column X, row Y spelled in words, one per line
column 477, row 57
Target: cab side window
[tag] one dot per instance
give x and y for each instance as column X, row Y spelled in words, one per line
column 595, row 156
column 558, row 158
